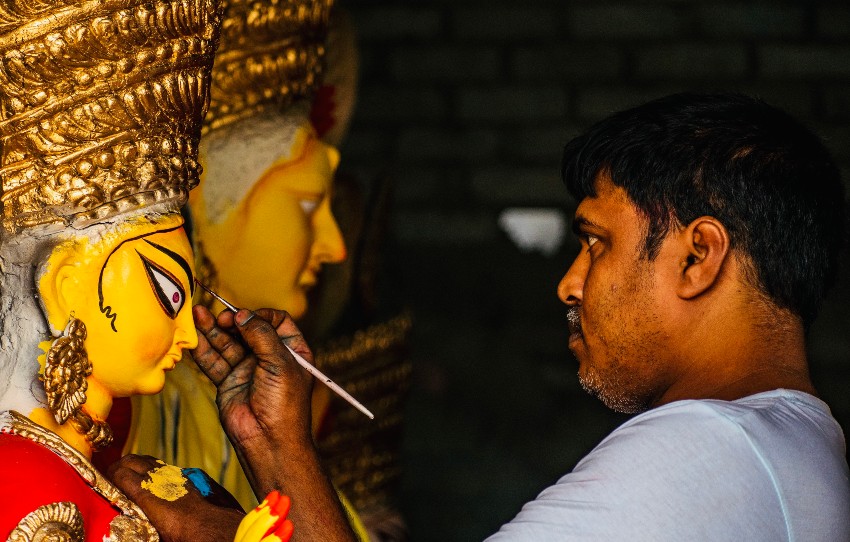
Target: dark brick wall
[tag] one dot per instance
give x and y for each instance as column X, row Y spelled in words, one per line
column 467, row 104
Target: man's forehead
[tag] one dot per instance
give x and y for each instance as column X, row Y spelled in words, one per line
column 609, row 207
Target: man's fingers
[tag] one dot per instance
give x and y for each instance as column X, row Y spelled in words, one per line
column 130, row 471
column 262, row 338
column 287, row 330
column 210, row 362
column 220, row 342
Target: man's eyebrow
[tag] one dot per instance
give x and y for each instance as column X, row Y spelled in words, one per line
column 179, row 260
column 579, row 222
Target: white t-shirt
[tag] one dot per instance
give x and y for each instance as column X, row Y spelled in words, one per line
column 769, row 467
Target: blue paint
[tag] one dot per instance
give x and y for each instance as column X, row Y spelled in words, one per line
column 199, row 479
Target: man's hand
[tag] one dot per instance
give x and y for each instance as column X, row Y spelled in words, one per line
column 187, row 518
column 263, row 394
column 264, row 405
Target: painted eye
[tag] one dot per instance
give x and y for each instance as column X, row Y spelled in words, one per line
column 167, row 288
column 308, row 205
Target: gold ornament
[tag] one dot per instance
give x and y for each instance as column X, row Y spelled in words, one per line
column 65, row 384
column 100, row 105
column 56, row 522
column 271, row 54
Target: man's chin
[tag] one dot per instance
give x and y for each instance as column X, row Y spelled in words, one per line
column 616, row 399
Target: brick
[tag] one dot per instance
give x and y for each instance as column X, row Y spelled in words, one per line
column 748, row 20
column 382, row 23
column 836, row 102
column 594, row 103
column 393, row 105
column 833, row 21
column 447, row 146
column 691, row 61
column 444, row 228
column 505, row 23
column 804, row 61
column 512, row 104
column 540, row 144
column 569, row 61
column 447, row 63
column 626, row 21
column 506, row 186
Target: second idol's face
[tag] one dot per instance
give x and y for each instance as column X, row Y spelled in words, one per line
column 135, row 300
column 270, row 251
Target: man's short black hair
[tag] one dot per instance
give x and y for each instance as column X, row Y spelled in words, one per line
column 760, row 172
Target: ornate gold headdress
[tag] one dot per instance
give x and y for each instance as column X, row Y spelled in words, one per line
column 271, row 54
column 100, row 105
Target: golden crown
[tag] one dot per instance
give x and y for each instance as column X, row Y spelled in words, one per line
column 101, row 104
column 271, row 54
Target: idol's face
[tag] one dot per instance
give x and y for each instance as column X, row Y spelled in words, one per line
column 617, row 313
column 133, row 291
column 270, row 251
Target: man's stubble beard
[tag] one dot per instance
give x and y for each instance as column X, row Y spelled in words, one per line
column 623, row 385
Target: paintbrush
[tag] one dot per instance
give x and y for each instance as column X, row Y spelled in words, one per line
column 301, row 361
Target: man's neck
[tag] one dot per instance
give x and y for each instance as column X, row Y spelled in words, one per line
column 738, row 356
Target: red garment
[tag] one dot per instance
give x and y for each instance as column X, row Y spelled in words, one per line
column 32, row 475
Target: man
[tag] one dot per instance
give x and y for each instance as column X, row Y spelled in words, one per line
column 710, row 227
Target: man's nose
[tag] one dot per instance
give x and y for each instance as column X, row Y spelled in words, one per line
column 571, row 287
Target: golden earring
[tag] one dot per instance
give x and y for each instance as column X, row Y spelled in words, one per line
column 65, row 384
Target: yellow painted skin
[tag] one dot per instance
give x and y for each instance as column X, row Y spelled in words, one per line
column 166, row 482
column 269, row 250
column 130, row 352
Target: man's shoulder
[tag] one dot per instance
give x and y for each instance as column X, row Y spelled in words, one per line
column 759, row 438
column 765, row 415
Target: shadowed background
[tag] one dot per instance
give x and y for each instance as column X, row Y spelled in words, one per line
column 466, row 106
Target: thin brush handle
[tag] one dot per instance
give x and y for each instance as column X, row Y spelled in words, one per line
column 303, row 362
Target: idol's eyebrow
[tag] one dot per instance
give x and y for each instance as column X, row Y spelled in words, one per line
column 179, row 260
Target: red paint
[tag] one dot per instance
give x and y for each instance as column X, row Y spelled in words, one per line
column 32, row 476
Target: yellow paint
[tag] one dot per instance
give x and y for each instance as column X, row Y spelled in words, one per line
column 147, row 341
column 166, row 482
column 270, row 248
column 44, row 346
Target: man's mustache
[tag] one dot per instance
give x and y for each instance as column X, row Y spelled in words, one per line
column 574, row 320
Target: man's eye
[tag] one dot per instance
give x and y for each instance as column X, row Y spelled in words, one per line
column 308, row 205
column 591, row 240
column 168, row 290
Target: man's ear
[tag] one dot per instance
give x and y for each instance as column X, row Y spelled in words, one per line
column 706, row 247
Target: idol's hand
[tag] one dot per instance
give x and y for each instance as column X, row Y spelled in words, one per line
column 263, row 394
column 183, row 505
column 267, row 522
column 264, row 405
